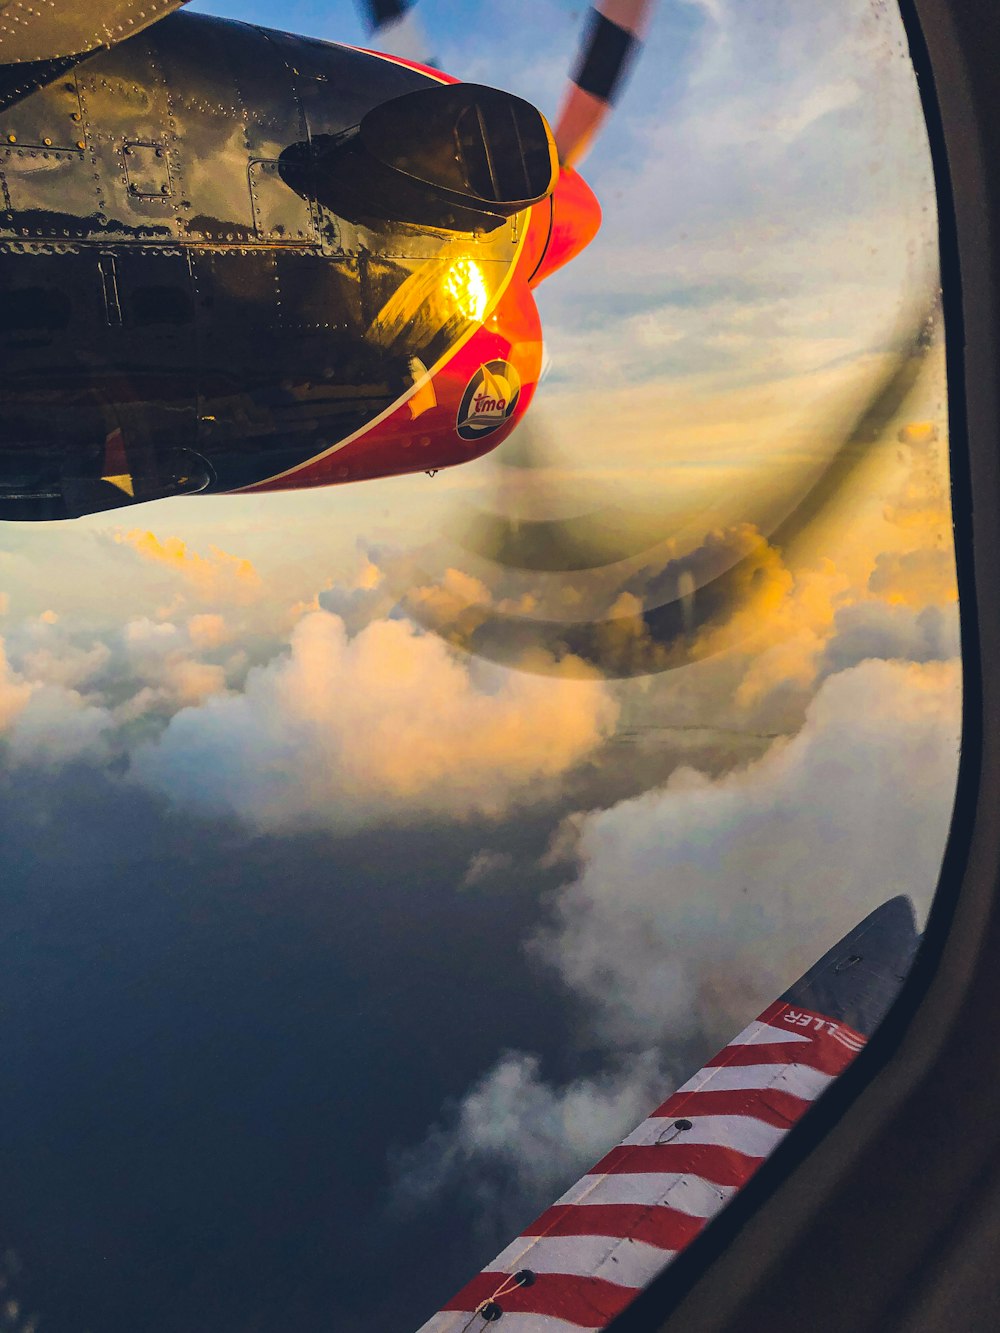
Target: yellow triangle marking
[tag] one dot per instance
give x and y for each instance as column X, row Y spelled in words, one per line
column 425, row 397
column 123, row 482
column 423, row 400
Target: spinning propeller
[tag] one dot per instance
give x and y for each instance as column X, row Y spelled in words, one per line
column 612, row 39
column 550, row 568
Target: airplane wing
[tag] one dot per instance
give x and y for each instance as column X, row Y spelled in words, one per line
column 585, row 1259
column 32, row 32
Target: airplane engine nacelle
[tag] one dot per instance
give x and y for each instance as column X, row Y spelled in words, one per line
column 459, row 156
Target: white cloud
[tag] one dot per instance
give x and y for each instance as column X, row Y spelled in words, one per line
column 484, row 865
column 57, row 725
column 14, row 692
column 872, row 629
column 514, row 1142
column 56, row 674
column 387, row 724
column 695, row 904
column 48, row 724
column 57, row 660
column 162, row 659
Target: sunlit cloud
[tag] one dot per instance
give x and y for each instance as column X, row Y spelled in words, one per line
column 48, row 725
column 208, row 630
column 766, row 211
column 387, row 724
column 914, row 578
column 14, row 692
column 218, row 576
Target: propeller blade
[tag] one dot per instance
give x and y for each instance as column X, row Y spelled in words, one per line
column 396, row 30
column 543, row 516
column 654, row 609
column 612, row 39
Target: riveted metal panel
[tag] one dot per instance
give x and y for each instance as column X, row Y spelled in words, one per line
column 337, row 85
column 274, row 118
column 319, row 293
column 48, row 193
column 280, row 215
column 333, row 86
column 46, row 185
column 211, row 119
column 46, row 115
column 147, row 169
column 33, row 32
column 128, row 113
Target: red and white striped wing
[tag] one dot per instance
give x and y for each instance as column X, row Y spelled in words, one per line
column 584, row 1259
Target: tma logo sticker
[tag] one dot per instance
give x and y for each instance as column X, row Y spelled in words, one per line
column 489, row 400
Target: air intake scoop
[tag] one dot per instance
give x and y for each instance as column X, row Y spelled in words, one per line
column 460, row 156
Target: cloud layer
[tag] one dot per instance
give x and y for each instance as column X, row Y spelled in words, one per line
column 515, row 1138
column 387, row 724
column 705, row 897
column 692, row 907
column 689, row 907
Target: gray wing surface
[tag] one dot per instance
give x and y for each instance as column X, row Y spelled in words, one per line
column 36, row 30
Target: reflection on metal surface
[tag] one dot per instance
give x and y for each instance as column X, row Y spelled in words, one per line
column 189, row 276
column 466, row 286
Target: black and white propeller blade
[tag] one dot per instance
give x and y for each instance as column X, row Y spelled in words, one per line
column 396, row 29
column 612, row 38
